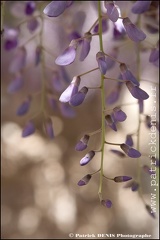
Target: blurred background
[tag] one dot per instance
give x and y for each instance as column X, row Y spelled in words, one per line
column 40, row 196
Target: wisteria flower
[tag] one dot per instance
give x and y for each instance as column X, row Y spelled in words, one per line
column 82, row 144
column 67, row 110
column 69, row 54
column 10, row 38
column 106, row 203
column 119, row 115
column 115, row 93
column 84, row 181
column 110, row 122
column 101, row 60
column 133, row 185
column 129, row 140
column 122, row 178
column 16, row 84
column 85, row 46
column 109, row 61
column 131, row 152
column 19, row 60
column 71, row 90
column 87, row 158
column 127, row 75
column 55, row 8
column 154, row 55
column 79, row 97
column 48, row 126
column 32, row 24
column 30, row 7
column 133, row 32
column 112, row 11
column 137, row 92
column 140, row 6
column 28, row 129
column 24, row 107
column 56, row 82
column 104, row 26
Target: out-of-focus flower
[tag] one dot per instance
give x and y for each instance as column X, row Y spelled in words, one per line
column 38, row 55
column 127, row 75
column 112, row 11
column 82, row 144
column 131, row 152
column 154, row 55
column 133, row 185
column 87, row 158
column 19, row 60
column 67, row 110
column 84, row 181
column 106, row 203
column 55, row 8
column 86, row 44
column 16, row 84
column 24, row 107
column 129, row 140
column 133, row 32
column 71, row 90
column 140, row 6
column 30, row 7
column 104, row 26
column 56, row 82
column 147, row 169
column 137, row 92
column 28, row 129
column 48, row 126
column 10, row 38
column 141, row 106
column 32, row 24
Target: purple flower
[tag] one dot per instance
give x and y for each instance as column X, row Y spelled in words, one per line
column 82, row 144
column 28, row 129
column 84, row 180
column 100, row 57
column 16, row 84
column 119, row 32
column 74, row 35
column 87, row 158
column 30, row 6
column 55, row 8
column 10, row 38
column 85, row 46
column 19, row 60
column 106, row 203
column 133, row 32
column 141, row 106
column 52, row 102
column 112, row 11
column 114, row 95
column 71, row 90
column 69, row 54
column 104, row 26
column 32, row 24
column 150, row 211
column 154, row 55
column 49, row 128
column 147, row 169
column 122, row 178
column 66, row 110
column 24, row 107
column 110, row 63
column 110, row 122
column 79, row 97
column 129, row 140
column 133, row 185
column 127, row 75
column 38, row 55
column 119, row 115
column 117, row 152
column 140, row 7
column 131, row 152
column 56, row 81
column 137, row 92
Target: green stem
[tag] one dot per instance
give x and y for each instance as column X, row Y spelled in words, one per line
column 103, row 104
column 116, row 144
column 80, row 75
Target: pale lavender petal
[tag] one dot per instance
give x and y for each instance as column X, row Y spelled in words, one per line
column 137, row 92
column 71, row 90
column 74, row 35
column 119, row 115
column 28, row 129
column 87, row 158
column 55, row 8
column 18, row 61
column 112, row 11
column 127, row 75
column 140, row 7
column 84, row 180
column 79, row 97
column 67, row 57
column 85, row 46
column 133, row 32
column 67, row 111
column 129, row 140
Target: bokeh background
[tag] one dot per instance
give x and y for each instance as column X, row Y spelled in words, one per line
column 40, row 198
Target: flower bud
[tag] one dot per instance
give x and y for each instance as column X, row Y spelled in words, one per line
column 55, row 8
column 100, row 57
column 127, row 75
column 119, row 115
column 137, row 92
column 110, row 122
column 122, row 179
column 131, row 152
column 28, row 129
column 85, row 46
column 87, row 158
column 24, row 107
column 84, row 180
column 112, row 11
column 82, row 144
column 133, row 32
column 106, row 203
column 129, row 140
column 79, row 97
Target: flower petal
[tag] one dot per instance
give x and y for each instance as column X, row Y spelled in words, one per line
column 67, row 57
column 87, row 158
column 137, row 92
column 112, row 11
column 55, row 8
column 140, row 7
